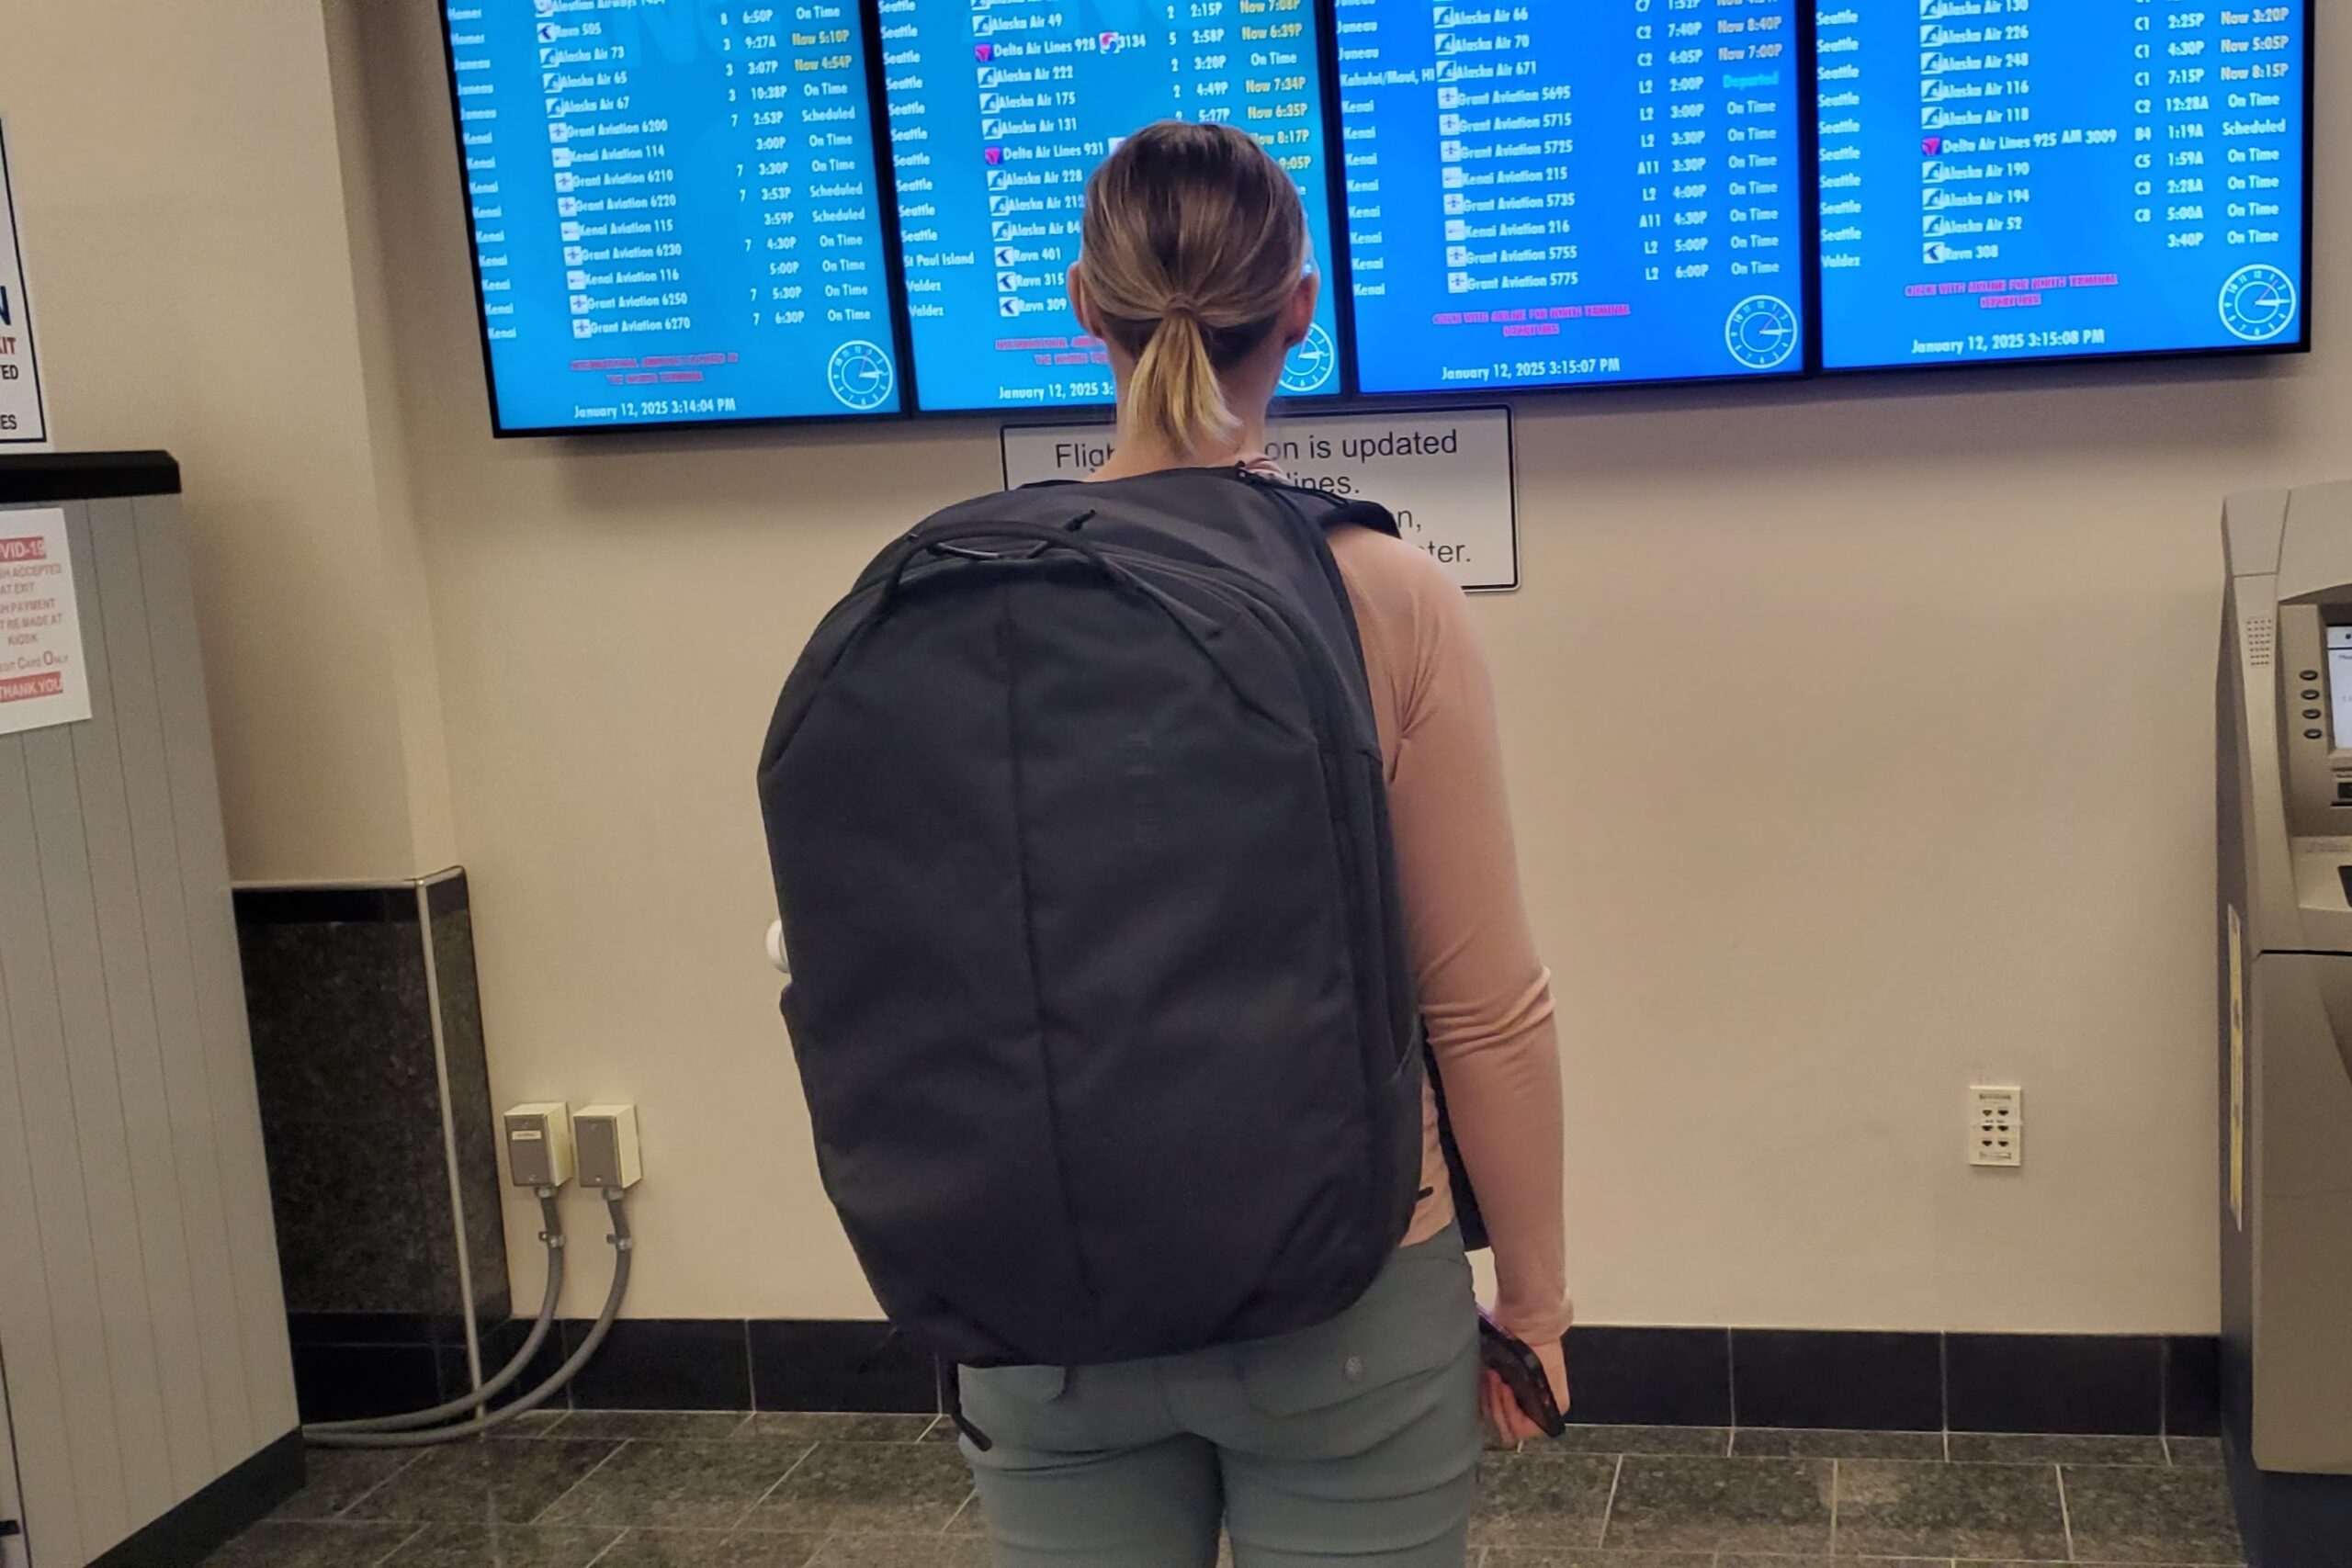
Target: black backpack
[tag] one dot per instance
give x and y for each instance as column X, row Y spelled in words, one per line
column 1100, row 991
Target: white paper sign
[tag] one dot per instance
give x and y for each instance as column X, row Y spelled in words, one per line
column 1446, row 475
column 24, row 419
column 43, row 678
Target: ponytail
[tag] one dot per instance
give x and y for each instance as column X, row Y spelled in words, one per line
column 1176, row 400
column 1195, row 240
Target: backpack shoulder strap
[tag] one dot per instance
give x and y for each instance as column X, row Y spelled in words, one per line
column 1364, row 515
column 1335, row 513
column 1321, row 506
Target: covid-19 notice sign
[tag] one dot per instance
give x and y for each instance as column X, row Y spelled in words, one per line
column 24, row 418
column 44, row 677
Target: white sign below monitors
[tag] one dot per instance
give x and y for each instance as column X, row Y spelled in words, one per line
column 1448, row 476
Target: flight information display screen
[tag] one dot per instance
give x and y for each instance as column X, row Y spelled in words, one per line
column 706, row 212
column 1544, row 195
column 676, row 211
column 999, row 111
column 2011, row 179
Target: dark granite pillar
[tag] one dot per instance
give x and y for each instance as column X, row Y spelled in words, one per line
column 376, row 1110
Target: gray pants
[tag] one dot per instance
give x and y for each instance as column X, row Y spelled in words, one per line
column 1354, row 1441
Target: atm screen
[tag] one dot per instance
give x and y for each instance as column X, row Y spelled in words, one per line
column 1000, row 111
column 2339, row 682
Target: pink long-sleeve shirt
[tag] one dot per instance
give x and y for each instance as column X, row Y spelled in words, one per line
column 1486, row 995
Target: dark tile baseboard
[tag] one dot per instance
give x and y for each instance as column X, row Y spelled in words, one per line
column 1624, row 1376
column 665, row 1364
column 809, row 1364
column 2193, row 1387
column 2109, row 1384
column 1651, row 1377
column 346, row 1383
column 189, row 1532
column 2016, row 1382
column 1861, row 1382
column 352, row 1364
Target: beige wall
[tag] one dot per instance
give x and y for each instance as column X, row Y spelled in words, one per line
column 1861, row 739
column 177, row 186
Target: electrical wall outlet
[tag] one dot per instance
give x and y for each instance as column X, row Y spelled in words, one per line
column 1997, row 1125
column 538, row 1143
column 606, row 1135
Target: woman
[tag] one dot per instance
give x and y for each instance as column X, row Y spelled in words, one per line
column 1195, row 273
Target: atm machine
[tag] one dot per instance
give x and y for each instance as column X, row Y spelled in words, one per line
column 2286, row 1022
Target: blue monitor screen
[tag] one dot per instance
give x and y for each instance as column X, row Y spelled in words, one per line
column 999, row 111
column 676, row 211
column 2002, row 179
column 1553, row 195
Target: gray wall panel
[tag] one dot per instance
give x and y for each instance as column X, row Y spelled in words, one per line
column 212, row 931
column 95, row 1119
column 142, row 1327
column 61, row 1210
column 122, row 598
column 156, row 1182
column 29, row 1360
column 12, row 1552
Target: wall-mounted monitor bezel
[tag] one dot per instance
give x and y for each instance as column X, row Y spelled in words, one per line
column 2302, row 343
column 1347, row 394
column 894, row 295
column 1796, row 295
column 1327, row 193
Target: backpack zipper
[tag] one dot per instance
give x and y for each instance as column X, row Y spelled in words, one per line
column 1365, row 946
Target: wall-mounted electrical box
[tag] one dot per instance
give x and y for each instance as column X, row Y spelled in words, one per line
column 1997, row 1125
column 538, row 1143
column 606, row 1136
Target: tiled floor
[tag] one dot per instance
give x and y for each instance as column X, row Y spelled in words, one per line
column 633, row 1490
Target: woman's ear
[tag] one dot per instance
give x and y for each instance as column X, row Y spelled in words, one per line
column 1298, row 317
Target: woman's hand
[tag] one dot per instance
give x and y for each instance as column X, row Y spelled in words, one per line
column 1509, row 1424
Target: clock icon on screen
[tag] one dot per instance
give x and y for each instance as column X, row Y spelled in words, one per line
column 1311, row 365
column 862, row 375
column 2258, row 303
column 1762, row 331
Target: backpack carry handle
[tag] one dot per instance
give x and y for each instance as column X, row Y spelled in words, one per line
column 1045, row 537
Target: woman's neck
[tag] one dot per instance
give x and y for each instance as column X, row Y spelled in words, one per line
column 1137, row 455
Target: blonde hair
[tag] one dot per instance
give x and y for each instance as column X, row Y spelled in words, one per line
column 1195, row 240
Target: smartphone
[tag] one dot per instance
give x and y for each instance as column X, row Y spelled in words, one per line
column 1509, row 1358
